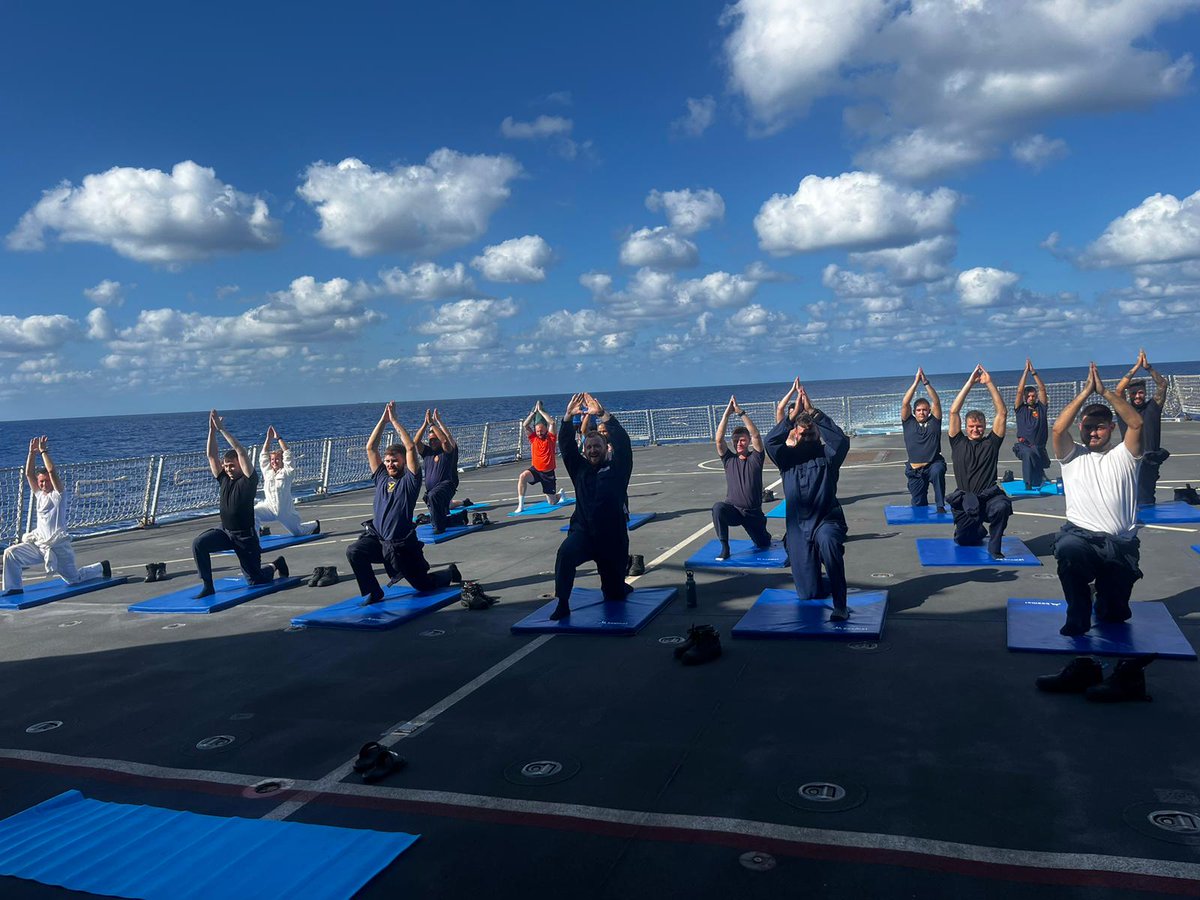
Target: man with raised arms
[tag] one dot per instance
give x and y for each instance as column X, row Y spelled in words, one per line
column 921, row 423
column 978, row 500
column 1150, row 409
column 598, row 528
column 278, row 504
column 539, row 429
column 743, row 481
column 1033, row 428
column 1098, row 544
column 238, row 482
column 391, row 536
column 48, row 543
column 439, row 450
column 809, row 449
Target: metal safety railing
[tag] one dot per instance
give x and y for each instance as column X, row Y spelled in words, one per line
column 141, row 491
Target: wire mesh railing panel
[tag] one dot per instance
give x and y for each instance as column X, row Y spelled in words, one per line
column 872, row 412
column 187, row 486
column 470, row 444
column 307, row 456
column 682, row 423
column 636, row 423
column 503, row 443
column 106, row 493
column 13, row 494
column 761, row 413
column 1187, row 392
column 348, row 466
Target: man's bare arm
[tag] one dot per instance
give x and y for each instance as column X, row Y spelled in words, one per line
column 373, row 458
column 1123, row 408
column 1000, row 422
column 1061, row 432
column 719, row 437
column 954, row 426
column 211, row 449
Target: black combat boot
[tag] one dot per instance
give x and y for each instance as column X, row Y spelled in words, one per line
column 706, row 646
column 1127, row 682
column 1080, row 674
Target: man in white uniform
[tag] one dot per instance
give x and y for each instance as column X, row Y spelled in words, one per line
column 278, row 504
column 49, row 543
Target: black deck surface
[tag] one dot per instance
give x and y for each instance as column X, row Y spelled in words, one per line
column 972, row 784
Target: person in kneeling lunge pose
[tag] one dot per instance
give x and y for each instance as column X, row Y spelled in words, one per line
column 978, row 500
column 598, row 525
column 1150, row 409
column 238, row 483
column 1033, row 428
column 278, row 504
column 809, row 449
column 391, row 536
column 922, row 425
column 440, row 452
column 743, row 481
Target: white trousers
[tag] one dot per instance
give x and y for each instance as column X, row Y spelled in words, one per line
column 288, row 518
column 59, row 560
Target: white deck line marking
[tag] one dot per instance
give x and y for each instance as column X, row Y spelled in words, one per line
column 1163, row 868
column 1064, row 518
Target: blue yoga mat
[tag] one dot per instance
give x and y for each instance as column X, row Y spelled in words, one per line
column 778, row 511
column 1169, row 513
column 400, row 604
column 778, row 613
column 944, row 552
column 542, row 507
column 1018, row 489
column 474, row 507
column 917, row 515
column 1033, row 625
column 229, row 592
column 278, row 542
column 590, row 614
column 1196, row 547
column 123, row 850
column 55, row 589
column 636, row 520
column 744, row 556
column 426, row 536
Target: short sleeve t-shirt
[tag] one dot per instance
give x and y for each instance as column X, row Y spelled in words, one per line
column 51, row 516
column 237, row 501
column 1151, row 415
column 1032, row 424
column 743, row 479
column 975, row 461
column 1101, row 490
column 542, row 451
column 440, row 465
column 922, row 442
column 395, row 499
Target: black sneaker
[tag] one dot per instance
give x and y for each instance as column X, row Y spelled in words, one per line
column 1080, row 674
column 281, row 568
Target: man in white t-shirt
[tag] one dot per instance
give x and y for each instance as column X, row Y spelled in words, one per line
column 278, row 504
column 49, row 543
column 1099, row 543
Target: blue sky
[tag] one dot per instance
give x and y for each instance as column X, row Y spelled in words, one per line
column 287, row 204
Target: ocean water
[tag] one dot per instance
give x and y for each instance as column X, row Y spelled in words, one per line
column 116, row 437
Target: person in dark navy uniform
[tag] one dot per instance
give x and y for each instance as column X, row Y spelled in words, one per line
column 1033, row 428
column 921, row 423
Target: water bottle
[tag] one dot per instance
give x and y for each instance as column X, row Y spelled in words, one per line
column 690, row 589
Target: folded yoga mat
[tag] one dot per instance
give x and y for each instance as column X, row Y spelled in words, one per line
column 591, row 614
column 542, row 507
column 779, row 613
column 778, row 511
column 123, row 850
column 636, row 520
column 278, row 542
column 400, row 604
column 944, row 552
column 917, row 515
column 1168, row 513
column 426, row 536
column 1033, row 625
column 744, row 555
column 55, row 589
column 229, row 592
column 1018, row 489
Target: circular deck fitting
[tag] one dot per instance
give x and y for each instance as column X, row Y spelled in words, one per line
column 1045, row 576
column 43, row 726
column 268, row 787
column 1173, row 824
column 868, row 646
column 294, row 628
column 822, row 796
column 672, row 639
column 882, row 575
column 70, row 624
column 216, row 742
column 174, row 625
column 527, row 537
column 432, row 632
column 545, row 596
column 757, row 861
column 542, row 771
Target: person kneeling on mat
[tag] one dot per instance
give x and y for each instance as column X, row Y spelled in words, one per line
column 598, row 528
column 278, row 504
column 922, row 425
column 48, row 543
column 809, row 449
column 440, row 452
column 1151, row 410
column 238, row 483
column 979, row 499
column 1032, row 428
column 542, row 441
column 391, row 536
column 743, row 481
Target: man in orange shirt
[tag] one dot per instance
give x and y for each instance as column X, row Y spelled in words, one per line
column 542, row 443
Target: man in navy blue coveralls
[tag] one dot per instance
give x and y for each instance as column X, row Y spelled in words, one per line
column 809, row 449
column 598, row 529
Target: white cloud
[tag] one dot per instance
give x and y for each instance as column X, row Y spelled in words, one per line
column 35, row 333
column 688, row 211
column 859, row 210
column 701, row 113
column 428, row 208
column 984, row 286
column 467, row 315
column 100, row 328
column 1038, row 151
column 541, row 127
column 923, row 262
column 1160, row 229
column 515, row 261
column 150, row 215
column 937, row 84
column 426, row 281
column 653, row 294
column 106, row 293
column 719, row 290
column 583, row 331
column 658, row 248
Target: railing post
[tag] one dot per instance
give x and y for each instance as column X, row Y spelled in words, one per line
column 483, row 445
column 520, row 443
column 152, row 511
column 326, row 457
column 145, row 520
column 650, row 425
column 20, row 506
